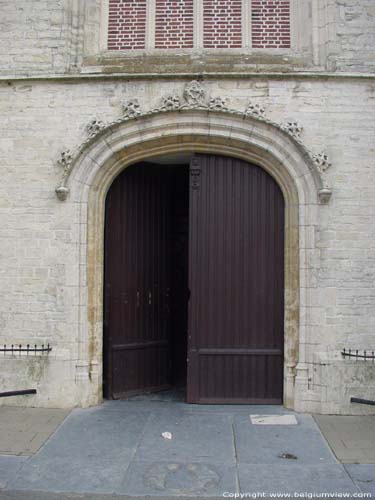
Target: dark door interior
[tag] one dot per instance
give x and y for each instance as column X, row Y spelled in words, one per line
column 197, row 249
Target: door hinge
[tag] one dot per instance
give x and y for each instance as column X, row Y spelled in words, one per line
column 195, row 174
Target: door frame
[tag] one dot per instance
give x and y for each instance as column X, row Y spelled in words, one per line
column 197, row 131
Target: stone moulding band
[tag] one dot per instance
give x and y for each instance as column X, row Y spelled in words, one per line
column 194, row 99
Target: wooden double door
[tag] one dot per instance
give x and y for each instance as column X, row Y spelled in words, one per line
column 194, row 282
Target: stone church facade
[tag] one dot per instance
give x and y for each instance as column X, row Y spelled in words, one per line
column 88, row 88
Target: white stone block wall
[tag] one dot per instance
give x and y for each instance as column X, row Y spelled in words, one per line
column 49, row 37
column 34, row 36
column 40, row 254
column 355, row 36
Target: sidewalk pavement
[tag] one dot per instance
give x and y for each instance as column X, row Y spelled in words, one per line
column 352, row 439
column 118, row 448
column 25, row 430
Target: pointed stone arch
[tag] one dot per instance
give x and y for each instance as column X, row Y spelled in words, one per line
column 261, row 142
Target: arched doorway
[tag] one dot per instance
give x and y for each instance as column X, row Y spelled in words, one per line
column 102, row 158
column 194, row 280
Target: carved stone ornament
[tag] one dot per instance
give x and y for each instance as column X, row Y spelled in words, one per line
column 254, row 109
column 131, row 108
column 62, row 192
column 95, row 126
column 194, row 93
column 65, row 161
column 325, row 195
column 171, row 102
column 218, row 103
column 321, row 161
column 293, row 128
column 194, row 96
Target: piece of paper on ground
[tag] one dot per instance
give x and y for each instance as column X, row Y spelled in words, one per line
column 273, row 419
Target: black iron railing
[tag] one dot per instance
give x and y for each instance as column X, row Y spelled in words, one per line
column 357, row 354
column 24, row 392
column 28, row 349
column 362, row 401
column 360, row 355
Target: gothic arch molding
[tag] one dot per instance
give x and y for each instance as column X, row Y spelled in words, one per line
column 195, row 130
column 210, row 120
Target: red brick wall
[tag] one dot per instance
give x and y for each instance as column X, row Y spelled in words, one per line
column 222, row 24
column 127, row 24
column 270, row 23
column 174, row 24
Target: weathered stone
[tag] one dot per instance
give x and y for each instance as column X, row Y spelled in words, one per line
column 50, row 260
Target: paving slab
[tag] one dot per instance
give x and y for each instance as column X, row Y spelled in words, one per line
column 352, row 438
column 9, row 466
column 195, row 437
column 178, row 478
column 264, row 444
column 117, row 450
column 24, row 430
column 273, row 419
column 90, row 452
column 293, row 478
column 101, row 476
column 363, row 476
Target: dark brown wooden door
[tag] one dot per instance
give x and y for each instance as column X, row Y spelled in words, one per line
column 137, row 283
column 236, row 280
